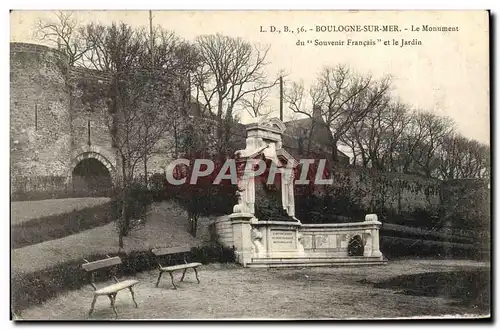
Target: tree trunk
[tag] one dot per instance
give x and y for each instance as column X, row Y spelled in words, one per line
column 145, row 161
column 125, row 218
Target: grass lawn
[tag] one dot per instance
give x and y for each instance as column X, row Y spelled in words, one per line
column 28, row 210
column 166, row 226
column 231, row 292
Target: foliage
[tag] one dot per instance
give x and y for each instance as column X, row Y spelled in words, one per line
column 398, row 247
column 157, row 186
column 203, row 198
column 214, row 252
column 138, row 200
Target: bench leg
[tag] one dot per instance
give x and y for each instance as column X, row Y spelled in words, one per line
column 183, row 274
column 196, row 273
column 159, row 277
column 133, row 298
column 112, row 299
column 92, row 305
column 172, row 278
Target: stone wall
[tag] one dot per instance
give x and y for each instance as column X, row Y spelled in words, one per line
column 224, row 231
column 466, row 203
column 373, row 191
column 84, row 82
column 40, row 132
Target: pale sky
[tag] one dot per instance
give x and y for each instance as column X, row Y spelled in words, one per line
column 448, row 74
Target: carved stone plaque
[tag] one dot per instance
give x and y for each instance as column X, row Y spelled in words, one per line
column 283, row 240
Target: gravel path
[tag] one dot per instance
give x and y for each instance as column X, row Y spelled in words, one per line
column 236, row 293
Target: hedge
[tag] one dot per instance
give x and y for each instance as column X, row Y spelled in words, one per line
column 60, row 225
column 395, row 247
column 389, row 229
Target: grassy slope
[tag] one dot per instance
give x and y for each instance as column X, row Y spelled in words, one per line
column 166, row 226
column 24, row 211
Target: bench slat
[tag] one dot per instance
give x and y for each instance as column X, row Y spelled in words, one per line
column 116, row 287
column 104, row 263
column 181, row 266
column 165, row 251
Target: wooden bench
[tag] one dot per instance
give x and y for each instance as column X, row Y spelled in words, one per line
column 110, row 263
column 168, row 252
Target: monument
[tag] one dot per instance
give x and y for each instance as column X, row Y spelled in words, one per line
column 263, row 228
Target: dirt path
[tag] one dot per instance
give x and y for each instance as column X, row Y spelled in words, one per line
column 267, row 293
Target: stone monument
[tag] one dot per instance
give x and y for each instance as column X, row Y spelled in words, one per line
column 263, row 228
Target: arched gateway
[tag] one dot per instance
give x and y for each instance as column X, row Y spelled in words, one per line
column 92, row 173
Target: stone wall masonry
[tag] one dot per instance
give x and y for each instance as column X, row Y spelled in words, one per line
column 224, row 231
column 374, row 191
column 100, row 120
column 39, row 101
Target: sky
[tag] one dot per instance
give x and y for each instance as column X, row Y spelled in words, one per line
column 448, row 74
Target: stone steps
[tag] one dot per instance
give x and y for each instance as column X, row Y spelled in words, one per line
column 315, row 262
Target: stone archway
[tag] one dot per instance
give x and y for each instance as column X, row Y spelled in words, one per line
column 92, row 174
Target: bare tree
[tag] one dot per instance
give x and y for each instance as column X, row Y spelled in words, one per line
column 433, row 129
column 397, row 121
column 232, row 70
column 461, row 158
column 256, row 102
column 146, row 97
column 341, row 98
column 375, row 139
column 64, row 33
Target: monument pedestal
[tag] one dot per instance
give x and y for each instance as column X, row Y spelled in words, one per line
column 277, row 239
column 242, row 240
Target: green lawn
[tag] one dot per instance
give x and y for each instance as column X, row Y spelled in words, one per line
column 166, row 226
column 28, row 210
column 304, row 293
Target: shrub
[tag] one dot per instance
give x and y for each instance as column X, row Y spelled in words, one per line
column 158, row 187
column 138, row 200
column 396, row 247
column 214, row 252
column 327, row 209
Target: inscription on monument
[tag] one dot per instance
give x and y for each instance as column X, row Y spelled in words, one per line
column 283, row 240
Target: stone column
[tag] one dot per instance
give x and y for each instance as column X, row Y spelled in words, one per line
column 373, row 219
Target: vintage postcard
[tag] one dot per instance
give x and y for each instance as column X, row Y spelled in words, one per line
column 250, row 165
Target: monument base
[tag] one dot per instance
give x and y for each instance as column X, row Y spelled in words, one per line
column 315, row 262
column 293, row 244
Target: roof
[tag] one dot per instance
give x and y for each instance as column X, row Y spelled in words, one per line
column 321, row 134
